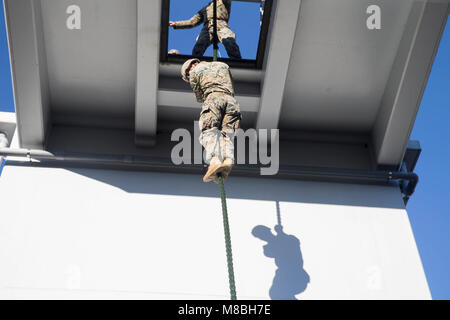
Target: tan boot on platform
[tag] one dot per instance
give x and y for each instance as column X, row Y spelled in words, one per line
column 214, row 167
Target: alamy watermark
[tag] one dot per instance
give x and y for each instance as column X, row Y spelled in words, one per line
column 73, row 21
column 374, row 20
column 256, row 142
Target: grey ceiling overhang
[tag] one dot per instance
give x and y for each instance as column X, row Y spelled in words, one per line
column 324, row 78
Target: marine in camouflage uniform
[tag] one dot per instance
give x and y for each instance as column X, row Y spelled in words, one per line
column 224, row 33
column 220, row 115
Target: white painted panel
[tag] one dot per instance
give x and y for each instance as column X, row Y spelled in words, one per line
column 79, row 233
column 148, row 36
column 92, row 71
column 339, row 68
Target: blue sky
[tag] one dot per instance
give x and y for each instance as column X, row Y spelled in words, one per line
column 428, row 208
column 244, row 16
column 6, row 92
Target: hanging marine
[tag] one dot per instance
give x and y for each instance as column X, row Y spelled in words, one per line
column 220, row 115
column 205, row 39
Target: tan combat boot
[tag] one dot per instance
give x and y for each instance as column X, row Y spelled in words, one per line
column 214, row 166
column 225, row 168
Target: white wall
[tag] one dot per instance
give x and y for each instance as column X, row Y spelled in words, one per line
column 78, row 233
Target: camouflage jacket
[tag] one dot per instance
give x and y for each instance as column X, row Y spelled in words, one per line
column 206, row 14
column 209, row 77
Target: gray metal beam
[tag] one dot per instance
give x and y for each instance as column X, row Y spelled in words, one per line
column 29, row 71
column 3, row 144
column 408, row 180
column 147, row 73
column 408, row 80
column 277, row 57
column 8, row 125
column 185, row 99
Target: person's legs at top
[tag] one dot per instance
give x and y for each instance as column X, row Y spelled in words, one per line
column 228, row 39
column 204, row 40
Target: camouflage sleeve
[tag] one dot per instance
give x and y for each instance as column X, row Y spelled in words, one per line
column 227, row 67
column 195, row 85
column 191, row 23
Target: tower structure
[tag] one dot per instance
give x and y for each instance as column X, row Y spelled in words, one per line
column 93, row 205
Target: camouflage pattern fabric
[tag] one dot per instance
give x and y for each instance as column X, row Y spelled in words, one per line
column 224, row 33
column 207, row 14
column 225, row 36
column 220, row 116
column 219, row 120
column 209, row 77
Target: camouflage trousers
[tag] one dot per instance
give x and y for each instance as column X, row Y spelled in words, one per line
column 219, row 120
column 225, row 35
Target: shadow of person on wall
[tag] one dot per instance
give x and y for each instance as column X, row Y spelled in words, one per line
column 290, row 278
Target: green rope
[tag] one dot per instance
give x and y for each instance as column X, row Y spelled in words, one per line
column 226, row 229
column 226, row 225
